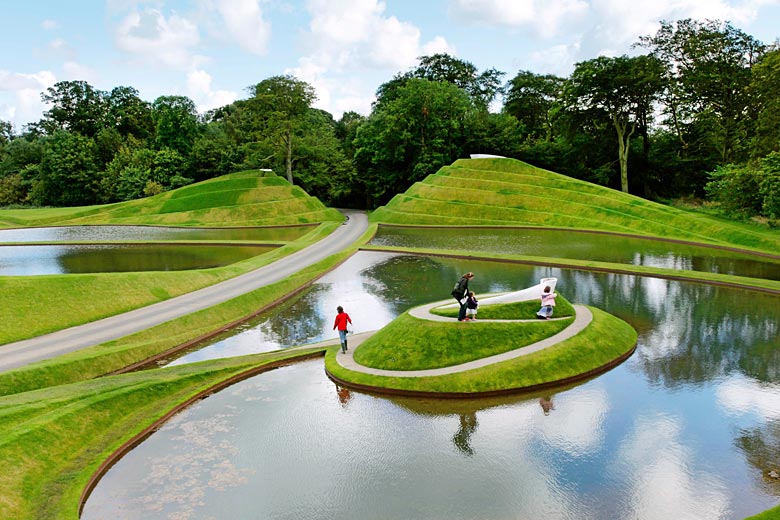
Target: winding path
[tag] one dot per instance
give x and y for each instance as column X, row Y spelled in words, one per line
column 20, row 353
column 582, row 319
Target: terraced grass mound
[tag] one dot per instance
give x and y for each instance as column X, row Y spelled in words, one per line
column 247, row 198
column 507, row 192
column 410, row 343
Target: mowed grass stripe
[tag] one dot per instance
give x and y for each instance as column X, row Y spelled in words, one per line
column 490, row 192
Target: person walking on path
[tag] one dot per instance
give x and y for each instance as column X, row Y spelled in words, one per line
column 548, row 302
column 342, row 318
column 471, row 307
column 460, row 291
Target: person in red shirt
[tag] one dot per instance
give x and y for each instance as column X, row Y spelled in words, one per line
column 341, row 323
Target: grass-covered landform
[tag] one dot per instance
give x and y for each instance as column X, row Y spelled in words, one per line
column 507, row 192
column 248, row 198
column 59, row 420
column 240, row 199
column 411, row 343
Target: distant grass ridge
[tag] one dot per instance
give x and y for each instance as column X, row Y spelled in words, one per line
column 247, row 198
column 507, row 192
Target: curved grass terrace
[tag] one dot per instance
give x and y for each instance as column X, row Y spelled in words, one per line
column 603, row 344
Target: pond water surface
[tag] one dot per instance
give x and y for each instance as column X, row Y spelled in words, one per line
column 688, row 427
column 115, row 258
column 584, row 246
column 151, row 233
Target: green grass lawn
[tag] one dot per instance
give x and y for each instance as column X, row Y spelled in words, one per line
column 36, row 305
column 408, row 343
column 512, row 193
column 52, row 440
column 511, row 311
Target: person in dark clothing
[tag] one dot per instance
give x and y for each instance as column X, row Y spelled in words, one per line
column 460, row 291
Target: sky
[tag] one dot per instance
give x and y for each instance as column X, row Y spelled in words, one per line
column 213, row 50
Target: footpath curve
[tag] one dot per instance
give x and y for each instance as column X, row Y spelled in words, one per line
column 582, row 319
column 20, row 353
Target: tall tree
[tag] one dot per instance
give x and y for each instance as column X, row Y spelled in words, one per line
column 76, row 107
column 532, row 99
column 708, row 65
column 765, row 84
column 482, row 87
column 623, row 88
column 69, row 173
column 176, row 123
column 280, row 105
column 413, row 135
column 128, row 113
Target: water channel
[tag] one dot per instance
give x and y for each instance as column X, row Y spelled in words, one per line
column 688, row 427
column 149, row 233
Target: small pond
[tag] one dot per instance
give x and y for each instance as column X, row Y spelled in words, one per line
column 583, row 246
column 688, row 427
column 68, row 259
column 150, row 233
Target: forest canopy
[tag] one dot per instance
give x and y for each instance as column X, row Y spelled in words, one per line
column 693, row 112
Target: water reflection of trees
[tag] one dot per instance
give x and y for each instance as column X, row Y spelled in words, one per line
column 761, row 446
column 688, row 332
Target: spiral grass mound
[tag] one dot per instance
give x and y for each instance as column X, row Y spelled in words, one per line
column 426, row 351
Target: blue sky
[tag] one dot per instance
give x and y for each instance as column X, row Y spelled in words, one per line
column 212, row 50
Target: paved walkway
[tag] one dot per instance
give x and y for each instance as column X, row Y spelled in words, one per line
column 20, row 353
column 582, row 319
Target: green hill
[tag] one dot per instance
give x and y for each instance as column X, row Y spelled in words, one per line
column 507, row 192
column 246, row 198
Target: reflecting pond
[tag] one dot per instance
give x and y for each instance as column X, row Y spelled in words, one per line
column 150, row 233
column 115, row 258
column 688, row 427
column 583, row 246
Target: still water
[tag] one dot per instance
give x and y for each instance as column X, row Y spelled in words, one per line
column 151, row 233
column 584, row 246
column 115, row 258
column 688, row 427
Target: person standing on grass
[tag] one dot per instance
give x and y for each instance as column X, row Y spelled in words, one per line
column 342, row 318
column 548, row 302
column 460, row 291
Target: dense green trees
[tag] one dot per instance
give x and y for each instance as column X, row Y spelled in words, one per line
column 699, row 114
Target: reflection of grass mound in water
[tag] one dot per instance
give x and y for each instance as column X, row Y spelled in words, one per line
column 408, row 343
column 508, row 192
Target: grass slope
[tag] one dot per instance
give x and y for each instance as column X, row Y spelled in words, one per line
column 53, row 440
column 35, row 305
column 511, row 193
column 247, row 198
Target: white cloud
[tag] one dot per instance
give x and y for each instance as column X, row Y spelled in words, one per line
column 152, row 38
column 558, row 60
column 245, row 24
column 545, row 16
column 349, row 35
column 23, row 92
column 199, row 90
column 77, row 71
column 49, row 25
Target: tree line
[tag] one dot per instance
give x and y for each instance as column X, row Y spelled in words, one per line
column 695, row 114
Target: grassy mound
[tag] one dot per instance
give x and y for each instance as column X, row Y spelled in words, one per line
column 507, row 192
column 606, row 340
column 247, row 198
